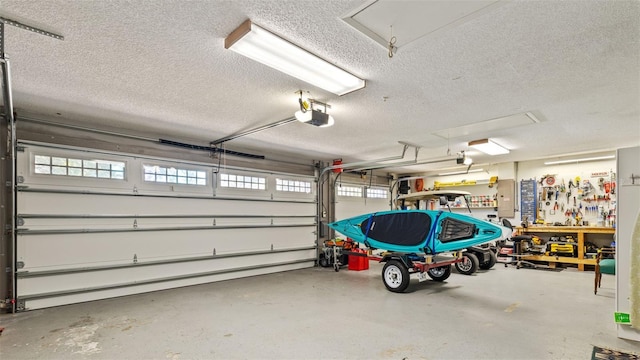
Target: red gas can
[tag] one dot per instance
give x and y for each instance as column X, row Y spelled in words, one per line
column 358, row 261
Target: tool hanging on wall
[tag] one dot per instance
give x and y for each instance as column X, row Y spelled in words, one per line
column 549, row 180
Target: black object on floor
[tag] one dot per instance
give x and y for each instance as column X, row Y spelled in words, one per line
column 608, row 354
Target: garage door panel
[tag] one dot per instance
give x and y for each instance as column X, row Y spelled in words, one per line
column 31, row 284
column 144, row 223
column 63, row 299
column 31, row 202
column 43, row 251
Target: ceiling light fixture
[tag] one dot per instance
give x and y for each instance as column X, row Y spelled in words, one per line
column 580, row 160
column 265, row 47
column 488, row 147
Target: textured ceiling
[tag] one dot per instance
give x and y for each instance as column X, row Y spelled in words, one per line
column 160, row 67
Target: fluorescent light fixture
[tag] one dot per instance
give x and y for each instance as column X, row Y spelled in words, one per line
column 315, row 117
column 488, row 147
column 265, row 47
column 461, row 172
column 580, row 160
column 487, row 126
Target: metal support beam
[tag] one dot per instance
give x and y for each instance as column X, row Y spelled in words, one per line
column 8, row 151
column 1, row 40
column 251, row 131
column 34, row 29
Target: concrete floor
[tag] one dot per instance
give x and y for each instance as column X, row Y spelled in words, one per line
column 317, row 313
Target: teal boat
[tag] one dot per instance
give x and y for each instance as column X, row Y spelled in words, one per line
column 419, row 231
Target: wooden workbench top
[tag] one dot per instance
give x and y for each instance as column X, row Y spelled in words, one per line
column 568, row 229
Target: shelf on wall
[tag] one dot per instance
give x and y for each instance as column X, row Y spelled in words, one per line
column 472, row 207
column 438, row 185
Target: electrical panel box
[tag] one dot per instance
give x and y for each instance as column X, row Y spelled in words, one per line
column 506, row 198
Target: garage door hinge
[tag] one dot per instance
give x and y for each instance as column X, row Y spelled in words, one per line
column 135, row 190
column 20, row 221
column 214, row 251
column 135, row 258
column 20, row 264
column 135, row 223
column 214, row 222
column 20, row 179
column 271, row 221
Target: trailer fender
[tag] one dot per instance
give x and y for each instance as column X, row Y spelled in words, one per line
column 403, row 259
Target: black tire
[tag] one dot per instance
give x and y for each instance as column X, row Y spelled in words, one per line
column 323, row 261
column 395, row 276
column 441, row 273
column 468, row 265
column 493, row 259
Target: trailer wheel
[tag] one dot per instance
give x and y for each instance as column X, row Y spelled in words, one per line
column 395, row 276
column 468, row 265
column 493, row 259
column 441, row 273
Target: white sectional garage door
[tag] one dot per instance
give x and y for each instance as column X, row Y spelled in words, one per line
column 94, row 225
column 356, row 199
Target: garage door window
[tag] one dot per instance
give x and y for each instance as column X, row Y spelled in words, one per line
column 293, row 186
column 350, row 191
column 171, row 175
column 377, row 193
column 63, row 166
column 243, row 182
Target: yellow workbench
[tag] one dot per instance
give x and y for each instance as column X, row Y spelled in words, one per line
column 580, row 232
